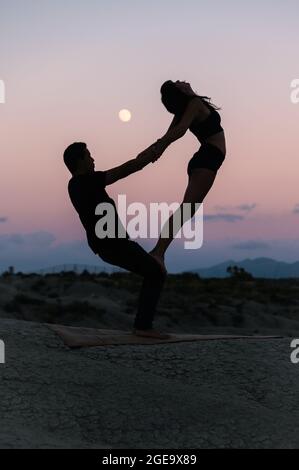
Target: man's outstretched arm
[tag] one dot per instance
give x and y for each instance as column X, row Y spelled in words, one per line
column 132, row 166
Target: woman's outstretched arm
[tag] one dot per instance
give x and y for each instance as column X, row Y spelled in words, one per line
column 178, row 127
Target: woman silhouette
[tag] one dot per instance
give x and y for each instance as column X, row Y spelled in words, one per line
column 197, row 113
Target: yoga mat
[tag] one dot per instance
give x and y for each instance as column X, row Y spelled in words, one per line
column 75, row 337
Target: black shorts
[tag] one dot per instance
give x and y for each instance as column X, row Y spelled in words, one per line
column 208, row 156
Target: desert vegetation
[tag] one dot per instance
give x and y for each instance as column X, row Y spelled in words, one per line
column 189, row 303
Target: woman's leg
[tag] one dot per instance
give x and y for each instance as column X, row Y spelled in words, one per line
column 200, row 182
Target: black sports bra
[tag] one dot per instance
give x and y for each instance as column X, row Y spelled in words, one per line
column 210, row 126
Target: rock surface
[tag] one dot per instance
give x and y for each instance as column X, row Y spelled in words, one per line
column 241, row 394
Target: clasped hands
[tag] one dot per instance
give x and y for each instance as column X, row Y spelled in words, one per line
column 152, row 153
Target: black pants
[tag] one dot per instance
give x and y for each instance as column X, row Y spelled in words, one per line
column 128, row 255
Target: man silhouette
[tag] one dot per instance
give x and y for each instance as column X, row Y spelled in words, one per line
column 86, row 190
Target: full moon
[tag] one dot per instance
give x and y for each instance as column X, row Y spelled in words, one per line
column 124, row 115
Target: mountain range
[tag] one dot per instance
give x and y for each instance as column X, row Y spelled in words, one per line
column 258, row 267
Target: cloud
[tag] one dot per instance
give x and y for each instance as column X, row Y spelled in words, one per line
column 221, row 208
column 296, row 209
column 246, row 207
column 251, row 245
column 3, row 219
column 37, row 250
column 241, row 207
column 224, row 217
column 35, row 240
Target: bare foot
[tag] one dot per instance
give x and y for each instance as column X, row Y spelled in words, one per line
column 159, row 259
column 152, row 333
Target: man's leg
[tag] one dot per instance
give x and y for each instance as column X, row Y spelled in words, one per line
column 132, row 257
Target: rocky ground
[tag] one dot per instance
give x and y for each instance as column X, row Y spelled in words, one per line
column 240, row 394
column 211, row 394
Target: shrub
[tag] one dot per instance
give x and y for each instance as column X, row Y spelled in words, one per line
column 238, row 273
